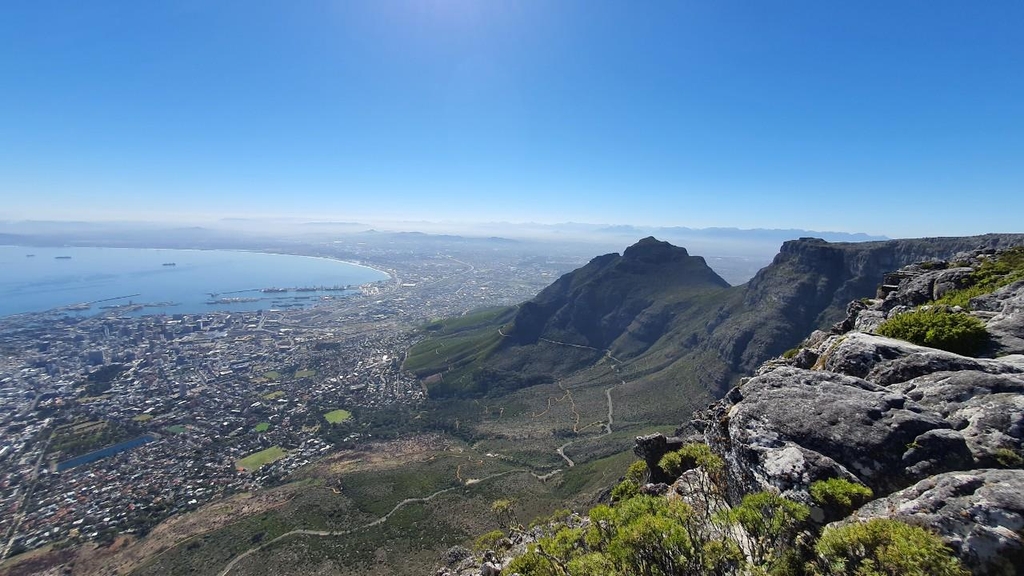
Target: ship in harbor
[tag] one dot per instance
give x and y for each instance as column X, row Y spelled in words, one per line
column 62, row 257
column 169, row 264
column 231, row 301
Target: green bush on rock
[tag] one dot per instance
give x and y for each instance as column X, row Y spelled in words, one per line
column 689, row 457
column 937, row 327
column 883, row 547
column 840, row 493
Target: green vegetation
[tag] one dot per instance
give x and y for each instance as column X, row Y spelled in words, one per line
column 272, row 375
column 262, row 427
column 489, row 541
column 840, row 494
column 176, row 429
column 791, row 353
column 1008, row 458
column 254, row 461
column 305, row 373
column 656, row 536
column 641, row 535
column 449, row 359
column 636, row 476
column 990, row 276
column 505, row 512
column 771, row 522
column 337, row 416
column 939, row 328
column 142, row 418
column 689, row 457
column 880, row 547
column 75, row 439
column 273, row 395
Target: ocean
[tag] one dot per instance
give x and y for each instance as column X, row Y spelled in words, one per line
column 152, row 281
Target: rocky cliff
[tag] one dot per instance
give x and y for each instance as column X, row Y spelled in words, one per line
column 930, row 431
column 938, row 437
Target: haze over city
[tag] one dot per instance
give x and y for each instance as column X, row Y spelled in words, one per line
column 878, row 117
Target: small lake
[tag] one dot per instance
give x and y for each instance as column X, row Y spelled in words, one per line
column 150, row 281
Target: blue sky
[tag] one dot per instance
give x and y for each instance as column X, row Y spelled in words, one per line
column 896, row 118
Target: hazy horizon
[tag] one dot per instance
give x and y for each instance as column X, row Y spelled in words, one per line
column 879, row 118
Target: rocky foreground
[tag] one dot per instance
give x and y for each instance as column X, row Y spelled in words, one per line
column 937, row 436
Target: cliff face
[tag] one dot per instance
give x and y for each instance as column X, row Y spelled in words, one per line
column 809, row 283
column 922, row 427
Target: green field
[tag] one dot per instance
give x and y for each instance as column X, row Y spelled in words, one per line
column 336, row 416
column 305, row 373
column 143, row 418
column 273, row 395
column 272, row 375
column 254, row 461
column 262, row 427
column 176, row 429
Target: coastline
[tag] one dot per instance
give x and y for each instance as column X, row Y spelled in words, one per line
column 233, row 264
column 243, row 250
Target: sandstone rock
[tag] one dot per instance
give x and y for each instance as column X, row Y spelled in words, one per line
column 795, row 426
column 651, row 448
column 887, row 361
column 915, row 289
column 654, row 489
column 951, row 279
column 988, row 409
column 454, row 555
column 979, row 513
column 1007, row 326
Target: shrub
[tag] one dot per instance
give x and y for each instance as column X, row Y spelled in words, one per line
column 637, row 472
column 990, row 276
column 883, row 547
column 939, row 328
column 624, row 491
column 840, row 493
column 1008, row 458
column 770, row 521
column 689, row 457
column 791, row 353
column 489, row 541
column 636, row 476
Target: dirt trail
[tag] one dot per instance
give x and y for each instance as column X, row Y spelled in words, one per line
column 376, row 522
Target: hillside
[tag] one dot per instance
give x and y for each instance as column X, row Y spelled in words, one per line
column 662, row 317
column 870, row 449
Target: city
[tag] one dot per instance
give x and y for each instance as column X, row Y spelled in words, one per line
column 112, row 423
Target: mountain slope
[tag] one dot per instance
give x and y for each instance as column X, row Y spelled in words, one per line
column 662, row 316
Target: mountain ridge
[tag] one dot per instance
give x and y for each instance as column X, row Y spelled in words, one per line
column 690, row 325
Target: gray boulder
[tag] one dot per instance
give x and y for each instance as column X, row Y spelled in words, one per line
column 793, row 427
column 915, row 288
column 651, row 448
column 951, row 279
column 988, row 409
column 1006, row 326
column 979, row 514
column 887, row 361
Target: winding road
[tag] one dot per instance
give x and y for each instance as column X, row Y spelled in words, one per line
column 378, row 521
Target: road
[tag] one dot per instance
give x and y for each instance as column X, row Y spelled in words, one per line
column 376, row 522
column 20, row 515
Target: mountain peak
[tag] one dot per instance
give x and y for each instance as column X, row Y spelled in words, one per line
column 652, row 250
